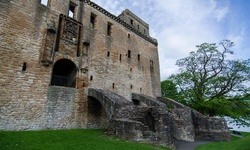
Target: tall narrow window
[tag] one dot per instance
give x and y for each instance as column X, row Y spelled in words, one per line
column 129, row 54
column 72, row 7
column 44, row 2
column 91, row 78
column 109, row 28
column 151, row 65
column 113, row 86
column 128, row 35
column 120, row 57
column 108, row 54
column 131, row 21
column 24, row 66
column 139, row 57
column 92, row 20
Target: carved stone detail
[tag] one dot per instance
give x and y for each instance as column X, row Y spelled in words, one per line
column 70, row 31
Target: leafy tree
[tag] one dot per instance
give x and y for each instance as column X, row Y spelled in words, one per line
column 213, row 84
column 168, row 89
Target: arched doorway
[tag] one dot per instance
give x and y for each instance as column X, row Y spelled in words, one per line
column 97, row 116
column 64, row 73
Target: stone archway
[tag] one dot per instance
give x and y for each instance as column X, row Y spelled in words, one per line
column 97, row 116
column 64, row 73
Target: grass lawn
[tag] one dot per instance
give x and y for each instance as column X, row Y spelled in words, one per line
column 82, row 139
column 235, row 144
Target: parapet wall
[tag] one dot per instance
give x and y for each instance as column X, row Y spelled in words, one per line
column 199, row 125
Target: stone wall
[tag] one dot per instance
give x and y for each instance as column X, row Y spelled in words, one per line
column 143, row 124
column 34, row 37
column 210, row 127
column 117, row 67
column 189, row 124
column 23, row 81
column 61, row 108
column 183, row 128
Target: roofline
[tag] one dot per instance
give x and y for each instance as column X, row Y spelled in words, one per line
column 118, row 20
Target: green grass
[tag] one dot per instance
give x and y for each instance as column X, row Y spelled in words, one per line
column 235, row 144
column 82, row 139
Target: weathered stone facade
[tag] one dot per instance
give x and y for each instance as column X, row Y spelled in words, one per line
column 71, row 43
column 72, row 64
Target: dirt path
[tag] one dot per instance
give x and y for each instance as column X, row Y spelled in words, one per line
column 182, row 145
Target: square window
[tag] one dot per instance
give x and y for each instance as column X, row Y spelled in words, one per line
column 44, row 2
column 72, row 8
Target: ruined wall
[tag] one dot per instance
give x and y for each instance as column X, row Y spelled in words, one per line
column 119, row 60
column 23, row 81
column 28, row 33
column 34, row 37
column 60, row 108
column 134, row 21
column 143, row 124
column 210, row 127
column 188, row 124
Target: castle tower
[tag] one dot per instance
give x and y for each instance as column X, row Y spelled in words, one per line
column 52, row 52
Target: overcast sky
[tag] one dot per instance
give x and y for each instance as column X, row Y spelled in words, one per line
column 180, row 25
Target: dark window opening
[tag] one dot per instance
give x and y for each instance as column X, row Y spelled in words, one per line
column 139, row 57
column 78, row 48
column 131, row 21
column 136, row 102
column 131, row 69
column 94, row 107
column 131, row 86
column 44, row 2
column 109, row 28
column 108, row 54
column 129, row 54
column 120, row 57
column 64, row 73
column 92, row 20
column 72, row 7
column 129, row 36
column 151, row 65
column 113, row 86
column 24, row 66
column 150, row 121
column 91, row 78
column 97, row 116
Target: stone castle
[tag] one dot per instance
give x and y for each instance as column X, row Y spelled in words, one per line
column 72, row 64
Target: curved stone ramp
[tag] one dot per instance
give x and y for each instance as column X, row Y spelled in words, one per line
column 171, row 101
column 110, row 101
column 150, row 101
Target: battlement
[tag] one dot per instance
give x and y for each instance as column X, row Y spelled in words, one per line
column 123, row 19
